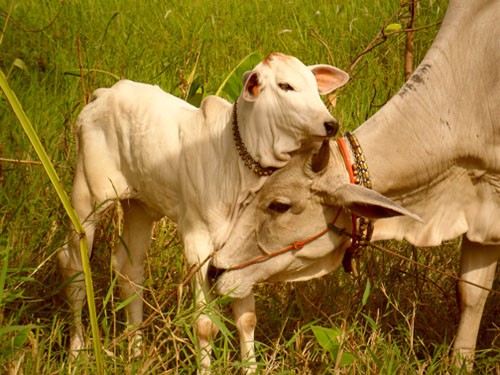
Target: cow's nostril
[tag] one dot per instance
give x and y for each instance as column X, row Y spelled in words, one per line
column 331, row 128
column 213, row 273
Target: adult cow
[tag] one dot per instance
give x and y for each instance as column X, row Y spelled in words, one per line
column 434, row 148
column 160, row 156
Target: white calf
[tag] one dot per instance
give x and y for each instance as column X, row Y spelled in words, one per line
column 160, row 156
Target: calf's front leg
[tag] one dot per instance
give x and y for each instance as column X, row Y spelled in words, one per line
column 197, row 250
column 205, row 329
column 246, row 321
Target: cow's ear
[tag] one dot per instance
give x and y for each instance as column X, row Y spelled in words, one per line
column 361, row 201
column 252, row 87
column 328, row 77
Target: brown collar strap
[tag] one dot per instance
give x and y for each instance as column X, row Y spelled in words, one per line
column 362, row 228
column 244, row 154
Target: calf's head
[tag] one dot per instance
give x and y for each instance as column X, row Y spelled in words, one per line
column 296, row 202
column 280, row 107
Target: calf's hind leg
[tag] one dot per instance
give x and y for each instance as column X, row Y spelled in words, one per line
column 478, row 265
column 128, row 263
column 69, row 257
column 96, row 186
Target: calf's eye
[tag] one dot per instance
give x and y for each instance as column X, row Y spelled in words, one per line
column 279, row 207
column 285, row 86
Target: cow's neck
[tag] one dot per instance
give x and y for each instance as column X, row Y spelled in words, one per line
column 407, row 146
column 446, row 111
column 411, row 158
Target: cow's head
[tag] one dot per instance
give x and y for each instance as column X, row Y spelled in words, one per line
column 280, row 108
column 296, row 202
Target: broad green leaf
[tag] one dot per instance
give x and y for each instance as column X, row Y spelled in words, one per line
column 393, row 27
column 327, row 337
column 347, row 359
column 233, row 84
column 20, row 64
column 8, row 329
column 19, row 338
column 196, row 92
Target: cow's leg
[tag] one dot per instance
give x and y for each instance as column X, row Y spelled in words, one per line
column 246, row 320
column 69, row 257
column 478, row 265
column 128, row 263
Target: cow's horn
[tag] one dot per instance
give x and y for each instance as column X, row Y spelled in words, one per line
column 321, row 158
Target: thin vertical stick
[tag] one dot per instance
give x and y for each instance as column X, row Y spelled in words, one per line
column 82, row 75
column 410, row 45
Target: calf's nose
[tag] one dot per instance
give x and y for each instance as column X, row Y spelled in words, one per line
column 213, row 273
column 331, row 127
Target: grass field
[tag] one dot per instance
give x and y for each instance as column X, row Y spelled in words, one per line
column 403, row 324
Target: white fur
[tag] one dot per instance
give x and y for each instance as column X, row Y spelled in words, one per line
column 160, row 156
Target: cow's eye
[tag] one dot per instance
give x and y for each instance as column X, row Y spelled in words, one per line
column 285, row 86
column 279, row 207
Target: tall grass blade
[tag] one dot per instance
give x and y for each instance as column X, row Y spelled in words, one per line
column 3, row 272
column 366, row 293
column 63, row 197
column 84, row 72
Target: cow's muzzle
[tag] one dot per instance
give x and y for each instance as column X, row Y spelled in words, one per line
column 213, row 273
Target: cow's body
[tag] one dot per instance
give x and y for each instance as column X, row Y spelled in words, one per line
column 441, row 134
column 160, row 156
column 434, row 149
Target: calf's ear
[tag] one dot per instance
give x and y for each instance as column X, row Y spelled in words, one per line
column 245, row 76
column 252, row 86
column 361, row 201
column 328, row 77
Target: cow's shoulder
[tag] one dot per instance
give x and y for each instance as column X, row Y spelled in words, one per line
column 215, row 109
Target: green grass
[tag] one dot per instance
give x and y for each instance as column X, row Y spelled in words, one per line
column 410, row 316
